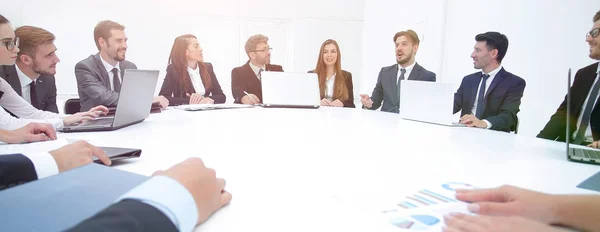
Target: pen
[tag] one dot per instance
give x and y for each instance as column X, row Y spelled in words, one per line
column 249, row 97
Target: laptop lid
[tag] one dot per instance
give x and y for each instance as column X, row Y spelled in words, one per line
column 427, row 101
column 135, row 98
column 290, row 89
column 568, row 134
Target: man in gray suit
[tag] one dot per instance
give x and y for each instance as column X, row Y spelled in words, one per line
column 99, row 76
column 33, row 75
column 387, row 88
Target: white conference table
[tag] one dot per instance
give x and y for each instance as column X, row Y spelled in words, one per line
column 307, row 170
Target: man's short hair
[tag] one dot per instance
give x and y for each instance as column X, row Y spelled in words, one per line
column 410, row 35
column 494, row 40
column 31, row 37
column 253, row 41
column 103, row 28
column 597, row 16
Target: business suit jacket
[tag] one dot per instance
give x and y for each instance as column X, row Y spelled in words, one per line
column 386, row 88
column 93, row 84
column 15, row 169
column 502, row 99
column 45, row 87
column 172, row 90
column 127, row 215
column 244, row 79
column 348, row 78
column 556, row 128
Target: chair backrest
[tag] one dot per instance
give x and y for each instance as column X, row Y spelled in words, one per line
column 72, row 106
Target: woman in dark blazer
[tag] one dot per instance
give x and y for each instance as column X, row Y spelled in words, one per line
column 189, row 79
column 335, row 84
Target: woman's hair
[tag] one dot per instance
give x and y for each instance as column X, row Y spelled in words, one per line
column 340, row 90
column 180, row 63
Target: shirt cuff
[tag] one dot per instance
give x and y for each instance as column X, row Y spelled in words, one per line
column 489, row 124
column 44, row 164
column 170, row 197
column 57, row 123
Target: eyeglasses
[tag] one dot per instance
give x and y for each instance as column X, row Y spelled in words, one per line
column 263, row 50
column 593, row 33
column 10, row 45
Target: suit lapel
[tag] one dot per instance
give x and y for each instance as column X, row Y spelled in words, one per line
column 392, row 77
column 13, row 78
column 497, row 79
column 415, row 73
column 474, row 88
column 102, row 70
column 254, row 81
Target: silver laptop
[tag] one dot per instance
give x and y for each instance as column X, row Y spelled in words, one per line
column 578, row 153
column 425, row 101
column 133, row 106
column 290, row 90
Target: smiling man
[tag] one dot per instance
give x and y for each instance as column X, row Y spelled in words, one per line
column 99, row 76
column 33, row 75
column 387, row 88
column 490, row 98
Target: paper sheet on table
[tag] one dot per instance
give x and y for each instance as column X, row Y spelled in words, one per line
column 33, row 147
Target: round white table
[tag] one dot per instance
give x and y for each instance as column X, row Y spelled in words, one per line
column 308, row 170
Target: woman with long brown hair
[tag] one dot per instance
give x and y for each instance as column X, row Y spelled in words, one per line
column 335, row 84
column 189, row 79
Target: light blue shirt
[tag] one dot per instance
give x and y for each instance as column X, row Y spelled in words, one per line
column 170, row 197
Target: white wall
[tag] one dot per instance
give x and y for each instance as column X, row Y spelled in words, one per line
column 296, row 29
column 545, row 39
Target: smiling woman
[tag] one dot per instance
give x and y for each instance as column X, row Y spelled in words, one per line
column 335, row 84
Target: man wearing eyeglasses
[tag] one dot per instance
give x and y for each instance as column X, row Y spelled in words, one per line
column 585, row 113
column 33, row 75
column 245, row 80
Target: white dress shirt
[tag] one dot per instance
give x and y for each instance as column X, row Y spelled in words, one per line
column 25, row 81
column 170, row 197
column 588, row 132
column 487, row 88
column 407, row 73
column 109, row 69
column 196, row 80
column 44, row 164
column 257, row 69
column 25, row 111
column 329, row 85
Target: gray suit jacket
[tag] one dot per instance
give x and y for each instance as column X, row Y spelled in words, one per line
column 386, row 90
column 45, row 87
column 93, row 84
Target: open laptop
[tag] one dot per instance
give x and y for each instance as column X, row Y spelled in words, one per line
column 133, row 105
column 578, row 153
column 290, row 90
column 431, row 102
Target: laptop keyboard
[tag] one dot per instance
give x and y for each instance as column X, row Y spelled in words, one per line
column 99, row 121
column 586, row 153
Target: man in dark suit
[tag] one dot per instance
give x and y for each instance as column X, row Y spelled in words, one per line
column 388, row 84
column 584, row 115
column 99, row 76
column 33, row 75
column 490, row 98
column 245, row 80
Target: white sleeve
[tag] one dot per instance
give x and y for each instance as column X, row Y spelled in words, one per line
column 44, row 164
column 11, row 101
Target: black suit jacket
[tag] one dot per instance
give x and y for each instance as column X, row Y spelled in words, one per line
column 503, row 99
column 386, row 89
column 556, row 128
column 127, row 215
column 172, row 90
column 348, row 78
column 45, row 87
column 244, row 79
column 15, row 169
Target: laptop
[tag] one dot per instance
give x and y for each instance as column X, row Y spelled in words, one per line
column 204, row 107
column 578, row 153
column 133, row 105
column 290, row 90
column 430, row 102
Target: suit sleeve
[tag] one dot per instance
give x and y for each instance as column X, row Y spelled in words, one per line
column 458, row 97
column 431, row 76
column 506, row 120
column 216, row 92
column 556, row 127
column 16, row 169
column 237, row 86
column 51, row 101
column 168, row 89
column 350, row 102
column 91, row 86
column 377, row 95
column 127, row 215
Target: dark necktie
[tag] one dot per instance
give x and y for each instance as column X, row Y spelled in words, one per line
column 481, row 96
column 116, row 81
column 401, row 77
column 587, row 112
column 260, row 73
column 33, row 94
